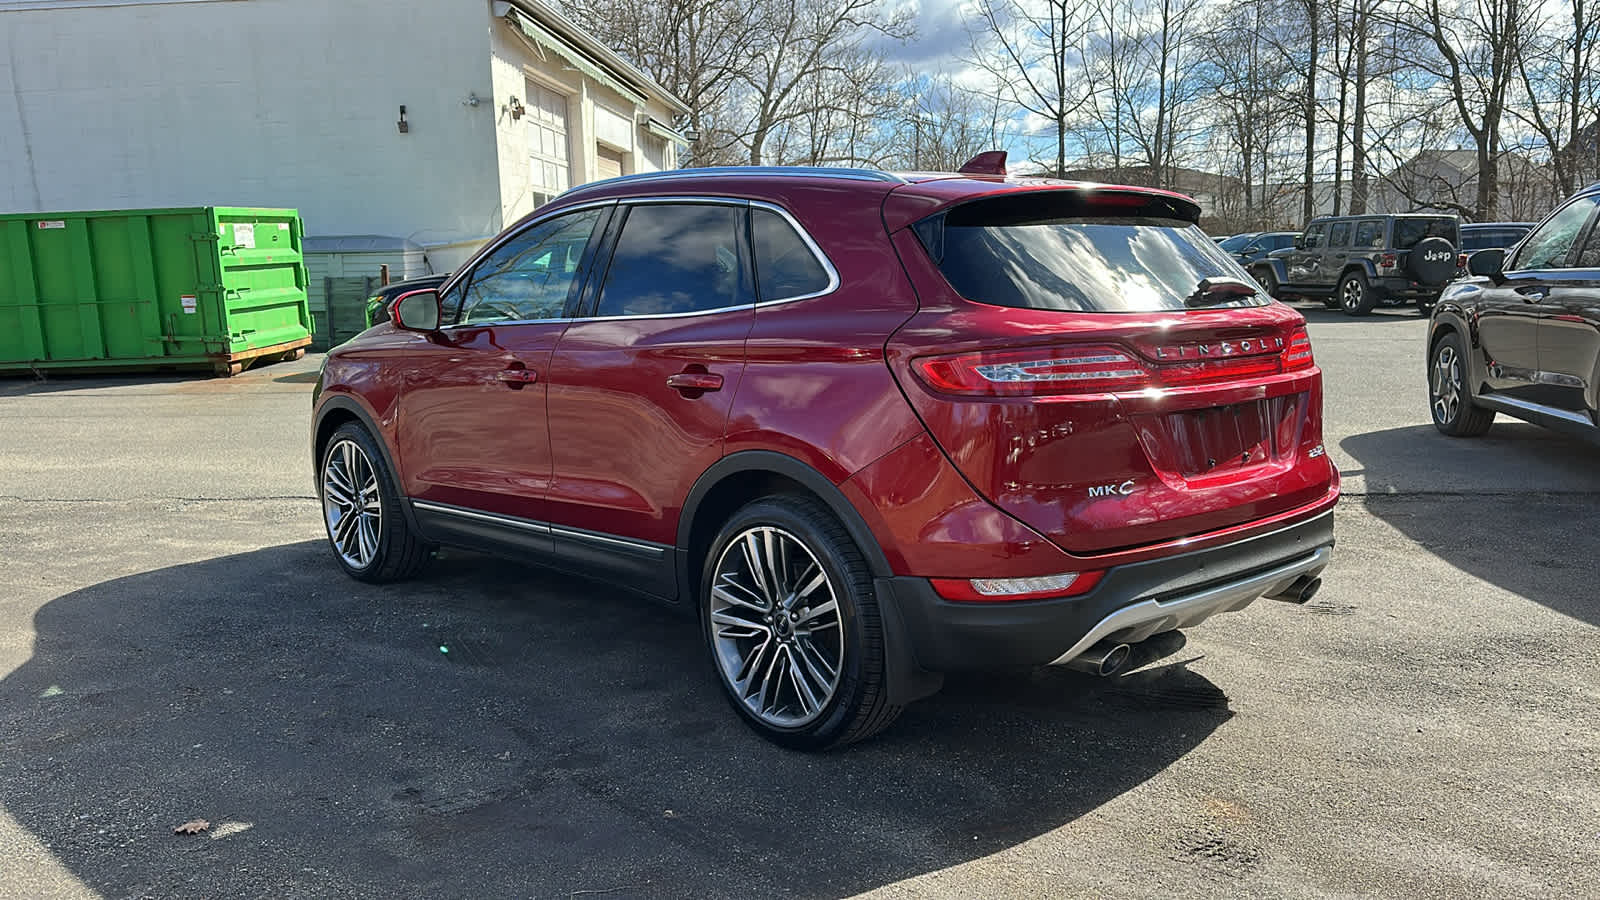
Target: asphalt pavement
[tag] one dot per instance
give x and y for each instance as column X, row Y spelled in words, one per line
column 177, row 644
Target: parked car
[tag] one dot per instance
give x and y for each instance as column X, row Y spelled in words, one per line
column 1477, row 236
column 1237, row 242
column 1521, row 334
column 378, row 304
column 868, row 428
column 1261, row 245
column 1358, row 262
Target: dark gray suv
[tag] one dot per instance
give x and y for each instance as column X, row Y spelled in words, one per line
column 1355, row 263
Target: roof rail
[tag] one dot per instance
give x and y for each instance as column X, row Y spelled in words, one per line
column 735, row 171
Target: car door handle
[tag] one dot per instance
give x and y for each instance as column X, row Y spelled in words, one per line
column 1532, row 294
column 695, row 381
column 517, row 378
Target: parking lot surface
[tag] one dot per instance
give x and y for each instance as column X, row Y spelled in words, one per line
column 176, row 643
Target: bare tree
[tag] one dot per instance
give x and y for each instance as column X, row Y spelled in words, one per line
column 1559, row 67
column 940, row 124
column 1248, row 71
column 1478, row 43
column 808, row 40
column 1027, row 49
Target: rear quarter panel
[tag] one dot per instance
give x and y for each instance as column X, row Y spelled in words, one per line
column 816, row 386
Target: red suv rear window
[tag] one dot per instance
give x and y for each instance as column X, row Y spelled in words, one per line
column 1061, row 252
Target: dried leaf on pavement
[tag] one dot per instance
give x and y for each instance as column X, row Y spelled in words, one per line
column 193, row 826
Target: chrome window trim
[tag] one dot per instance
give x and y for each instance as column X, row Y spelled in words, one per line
column 834, row 281
column 816, row 252
column 489, row 249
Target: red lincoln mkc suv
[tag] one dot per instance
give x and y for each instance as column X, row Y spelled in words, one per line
column 868, row 428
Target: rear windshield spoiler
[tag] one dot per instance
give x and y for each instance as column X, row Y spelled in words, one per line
column 1035, row 199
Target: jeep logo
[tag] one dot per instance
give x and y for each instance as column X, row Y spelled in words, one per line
column 1436, row 255
column 1113, row 490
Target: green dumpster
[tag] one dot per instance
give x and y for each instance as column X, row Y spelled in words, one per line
column 206, row 287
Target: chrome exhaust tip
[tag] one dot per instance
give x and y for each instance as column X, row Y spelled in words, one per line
column 1104, row 658
column 1300, row 591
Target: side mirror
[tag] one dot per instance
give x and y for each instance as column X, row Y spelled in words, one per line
column 417, row 311
column 1251, row 250
column 1299, row 242
column 1486, row 262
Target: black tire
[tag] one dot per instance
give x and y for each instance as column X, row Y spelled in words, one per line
column 1354, row 296
column 1331, row 301
column 397, row 552
column 1268, row 280
column 858, row 706
column 1447, row 379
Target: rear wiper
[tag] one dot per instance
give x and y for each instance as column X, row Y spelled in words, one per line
column 1215, row 291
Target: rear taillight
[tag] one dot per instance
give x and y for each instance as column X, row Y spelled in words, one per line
column 1461, row 260
column 1007, row 590
column 1298, row 354
column 1098, row 369
column 1388, row 260
column 1042, row 370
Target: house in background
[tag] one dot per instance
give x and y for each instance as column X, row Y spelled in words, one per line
column 429, row 124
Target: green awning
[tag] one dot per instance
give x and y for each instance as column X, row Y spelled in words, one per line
column 541, row 36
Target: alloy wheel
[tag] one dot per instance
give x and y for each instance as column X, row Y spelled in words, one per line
column 1351, row 294
column 351, row 503
column 1445, row 382
column 775, row 627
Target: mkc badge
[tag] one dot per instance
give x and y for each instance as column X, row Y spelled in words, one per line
column 1113, row 490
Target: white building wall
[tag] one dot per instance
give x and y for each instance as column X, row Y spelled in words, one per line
column 255, row 102
column 596, row 114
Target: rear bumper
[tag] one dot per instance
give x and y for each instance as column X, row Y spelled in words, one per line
column 1131, row 603
column 1391, row 288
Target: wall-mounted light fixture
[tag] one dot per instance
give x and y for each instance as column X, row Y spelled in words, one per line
column 403, row 125
column 515, row 107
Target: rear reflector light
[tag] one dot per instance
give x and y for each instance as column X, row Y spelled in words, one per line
column 1006, row 590
column 1097, row 370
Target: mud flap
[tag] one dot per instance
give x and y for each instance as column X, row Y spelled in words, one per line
column 908, row 681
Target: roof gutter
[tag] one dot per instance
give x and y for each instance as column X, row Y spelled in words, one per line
column 535, row 20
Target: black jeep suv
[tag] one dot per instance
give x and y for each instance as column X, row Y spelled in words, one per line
column 1521, row 335
column 1358, row 262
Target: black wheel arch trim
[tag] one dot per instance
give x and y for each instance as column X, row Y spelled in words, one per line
column 345, row 404
column 1450, row 318
column 746, row 461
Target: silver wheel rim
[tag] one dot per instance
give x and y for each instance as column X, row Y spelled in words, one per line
column 1352, row 299
column 775, row 627
column 1446, row 385
column 351, row 504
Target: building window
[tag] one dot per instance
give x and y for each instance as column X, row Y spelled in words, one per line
column 548, row 147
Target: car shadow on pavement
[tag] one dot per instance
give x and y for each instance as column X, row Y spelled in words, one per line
column 498, row 731
column 1514, row 508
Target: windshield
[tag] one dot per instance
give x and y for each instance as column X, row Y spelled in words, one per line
column 1236, row 243
column 1410, row 232
column 1076, row 263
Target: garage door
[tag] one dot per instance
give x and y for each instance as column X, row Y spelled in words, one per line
column 607, row 163
column 547, row 141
